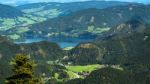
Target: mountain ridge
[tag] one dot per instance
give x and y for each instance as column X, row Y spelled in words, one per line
column 9, row 11
column 94, row 21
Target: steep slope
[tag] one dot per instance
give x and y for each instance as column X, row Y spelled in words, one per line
column 85, row 53
column 119, row 47
column 127, row 50
column 135, row 25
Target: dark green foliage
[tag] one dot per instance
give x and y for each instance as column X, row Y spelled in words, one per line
column 23, row 69
column 114, row 76
column 43, row 69
column 55, row 68
column 63, row 75
column 137, row 67
column 74, row 81
column 127, row 45
column 5, row 71
column 53, row 81
column 140, row 73
column 108, row 76
column 127, row 50
column 43, row 50
column 40, row 52
column 84, row 53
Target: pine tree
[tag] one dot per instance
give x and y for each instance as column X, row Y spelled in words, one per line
column 23, row 69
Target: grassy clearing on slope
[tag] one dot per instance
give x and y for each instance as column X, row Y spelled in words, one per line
column 89, row 68
column 72, row 74
column 68, row 48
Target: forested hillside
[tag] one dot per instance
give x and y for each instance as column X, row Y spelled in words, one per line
column 88, row 42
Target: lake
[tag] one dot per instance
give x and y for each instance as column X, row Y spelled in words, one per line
column 72, row 42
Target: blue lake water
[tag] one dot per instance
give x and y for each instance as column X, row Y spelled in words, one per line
column 62, row 44
column 67, row 44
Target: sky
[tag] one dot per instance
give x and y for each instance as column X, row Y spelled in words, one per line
column 14, row 2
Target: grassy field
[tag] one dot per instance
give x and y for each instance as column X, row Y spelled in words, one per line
column 73, row 72
column 88, row 68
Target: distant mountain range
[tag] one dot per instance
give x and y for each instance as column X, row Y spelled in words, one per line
column 44, row 9
column 90, row 21
column 78, row 19
column 15, row 21
column 9, row 12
